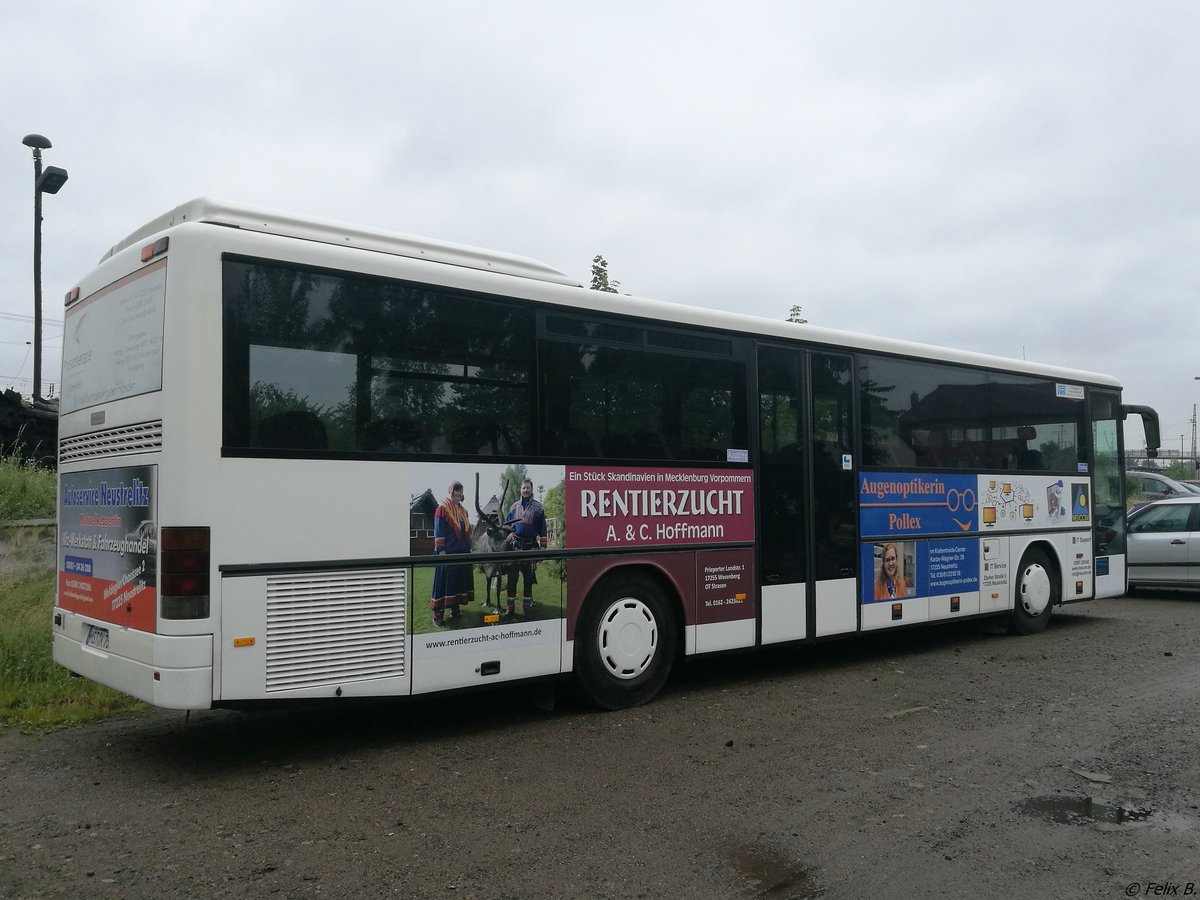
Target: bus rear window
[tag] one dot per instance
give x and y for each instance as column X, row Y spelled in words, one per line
column 114, row 341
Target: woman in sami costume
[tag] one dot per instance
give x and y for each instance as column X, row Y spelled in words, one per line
column 453, row 585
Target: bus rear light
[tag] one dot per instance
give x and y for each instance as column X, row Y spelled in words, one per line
column 179, row 538
column 179, row 584
column 184, row 572
column 184, row 561
column 158, row 248
column 178, row 608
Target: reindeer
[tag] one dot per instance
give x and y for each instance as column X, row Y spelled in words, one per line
column 491, row 536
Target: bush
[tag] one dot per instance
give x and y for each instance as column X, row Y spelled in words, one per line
column 27, row 490
column 35, row 694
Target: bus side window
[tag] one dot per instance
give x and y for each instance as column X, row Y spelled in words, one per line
column 1030, row 459
column 293, row 429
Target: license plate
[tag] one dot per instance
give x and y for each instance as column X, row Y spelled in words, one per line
column 96, row 637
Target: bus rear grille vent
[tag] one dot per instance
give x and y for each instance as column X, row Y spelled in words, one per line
column 334, row 628
column 143, row 438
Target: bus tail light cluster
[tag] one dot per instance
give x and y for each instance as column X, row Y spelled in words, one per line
column 157, row 248
column 183, row 577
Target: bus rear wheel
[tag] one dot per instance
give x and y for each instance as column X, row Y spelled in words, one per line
column 1037, row 593
column 625, row 643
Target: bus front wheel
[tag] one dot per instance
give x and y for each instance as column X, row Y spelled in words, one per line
column 1037, row 593
column 625, row 643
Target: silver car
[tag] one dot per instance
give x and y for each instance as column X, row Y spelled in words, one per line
column 1164, row 543
column 1145, row 487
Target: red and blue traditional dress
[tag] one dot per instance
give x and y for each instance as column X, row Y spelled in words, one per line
column 453, row 585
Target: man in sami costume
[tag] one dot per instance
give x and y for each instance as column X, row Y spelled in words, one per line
column 528, row 521
column 453, row 585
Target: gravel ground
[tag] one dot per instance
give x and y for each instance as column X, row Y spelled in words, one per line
column 940, row 762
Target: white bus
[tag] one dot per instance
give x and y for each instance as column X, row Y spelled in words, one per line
column 299, row 459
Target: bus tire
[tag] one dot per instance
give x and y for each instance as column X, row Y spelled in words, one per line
column 625, row 642
column 1037, row 592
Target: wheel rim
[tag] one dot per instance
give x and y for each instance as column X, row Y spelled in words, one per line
column 1035, row 589
column 627, row 638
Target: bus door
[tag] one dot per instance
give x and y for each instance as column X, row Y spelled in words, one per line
column 807, row 524
column 834, row 494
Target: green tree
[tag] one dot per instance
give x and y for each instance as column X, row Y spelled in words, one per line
column 600, row 280
column 510, row 486
column 1181, row 470
column 795, row 316
column 555, row 504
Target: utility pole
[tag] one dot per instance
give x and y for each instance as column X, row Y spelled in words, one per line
column 1195, row 462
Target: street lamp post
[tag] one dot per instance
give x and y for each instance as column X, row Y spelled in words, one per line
column 47, row 182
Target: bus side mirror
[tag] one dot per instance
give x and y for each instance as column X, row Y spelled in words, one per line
column 1149, row 426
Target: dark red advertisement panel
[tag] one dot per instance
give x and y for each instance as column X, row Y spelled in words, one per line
column 725, row 586
column 622, row 507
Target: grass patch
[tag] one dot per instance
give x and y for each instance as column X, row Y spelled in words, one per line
column 547, row 596
column 27, row 491
column 35, row 694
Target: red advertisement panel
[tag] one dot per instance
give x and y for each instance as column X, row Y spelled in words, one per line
column 108, row 543
column 622, row 507
column 713, row 585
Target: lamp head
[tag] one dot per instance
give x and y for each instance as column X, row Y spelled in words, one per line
column 51, row 180
column 37, row 141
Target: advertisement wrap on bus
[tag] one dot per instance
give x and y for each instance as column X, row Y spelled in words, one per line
column 646, row 508
column 906, row 518
column 656, row 512
column 108, row 545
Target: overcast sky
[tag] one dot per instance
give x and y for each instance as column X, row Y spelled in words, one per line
column 1009, row 177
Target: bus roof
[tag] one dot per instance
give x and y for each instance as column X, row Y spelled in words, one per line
column 247, row 218
column 233, row 215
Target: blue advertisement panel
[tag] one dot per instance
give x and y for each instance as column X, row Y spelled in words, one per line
column 921, row 531
column 894, row 504
column 949, row 566
column 905, row 569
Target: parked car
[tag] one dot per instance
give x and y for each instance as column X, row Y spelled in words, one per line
column 1163, row 543
column 1145, row 487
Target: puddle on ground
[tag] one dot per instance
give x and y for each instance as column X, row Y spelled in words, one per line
column 770, row 875
column 1084, row 811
